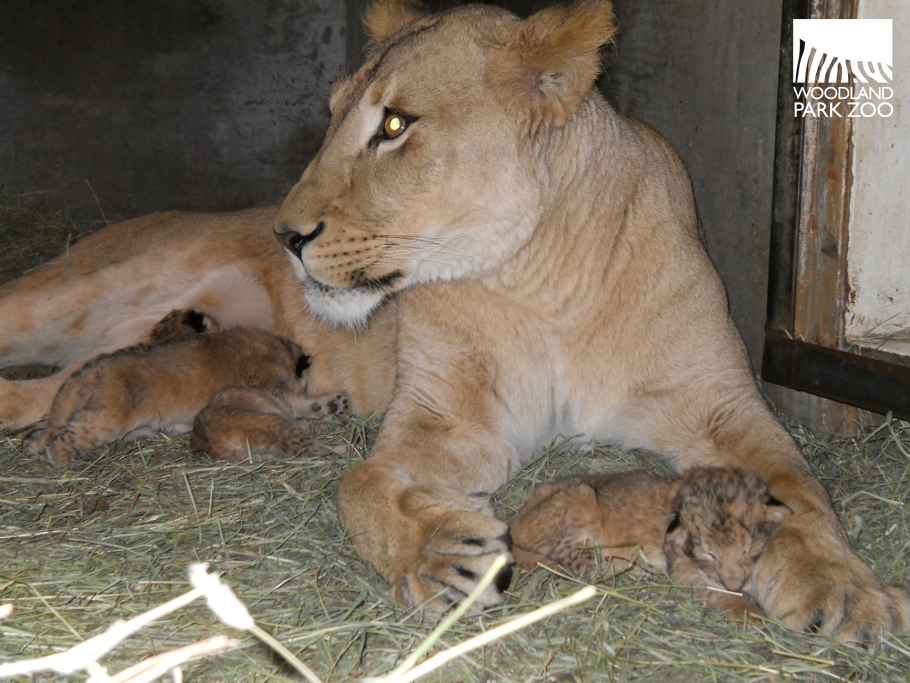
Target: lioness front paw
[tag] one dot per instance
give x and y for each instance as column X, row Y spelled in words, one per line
column 455, row 557
column 839, row 596
column 854, row 612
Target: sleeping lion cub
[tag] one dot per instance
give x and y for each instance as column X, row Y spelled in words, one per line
column 244, row 384
column 706, row 527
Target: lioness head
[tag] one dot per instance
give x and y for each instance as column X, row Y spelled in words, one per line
column 433, row 167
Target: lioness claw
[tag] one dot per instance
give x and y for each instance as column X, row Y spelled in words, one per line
column 453, row 564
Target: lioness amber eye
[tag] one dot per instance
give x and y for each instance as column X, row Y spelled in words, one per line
column 394, row 125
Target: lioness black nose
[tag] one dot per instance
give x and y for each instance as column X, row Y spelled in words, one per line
column 294, row 241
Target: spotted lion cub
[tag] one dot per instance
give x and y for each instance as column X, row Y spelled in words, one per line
column 238, row 381
column 706, row 527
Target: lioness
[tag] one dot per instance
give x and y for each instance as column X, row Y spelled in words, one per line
column 546, row 276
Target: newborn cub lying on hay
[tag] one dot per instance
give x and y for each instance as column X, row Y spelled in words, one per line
column 706, row 527
column 239, row 389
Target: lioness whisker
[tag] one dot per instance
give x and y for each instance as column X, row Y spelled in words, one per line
column 438, row 248
column 450, row 264
column 430, row 238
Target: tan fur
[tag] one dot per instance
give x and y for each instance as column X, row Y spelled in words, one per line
column 719, row 521
column 163, row 385
column 722, row 522
column 244, row 423
column 545, row 274
column 113, row 287
column 383, row 20
column 179, row 324
column 550, row 65
column 612, row 522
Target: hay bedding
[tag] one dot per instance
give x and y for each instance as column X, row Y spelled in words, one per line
column 113, row 538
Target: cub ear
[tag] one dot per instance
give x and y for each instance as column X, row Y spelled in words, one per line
column 385, row 18
column 195, row 320
column 674, row 523
column 775, row 510
column 303, row 364
column 676, row 535
column 550, row 65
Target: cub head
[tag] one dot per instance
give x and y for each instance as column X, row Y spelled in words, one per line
column 722, row 520
column 433, row 167
column 288, row 360
column 181, row 323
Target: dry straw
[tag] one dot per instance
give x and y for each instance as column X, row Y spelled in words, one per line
column 230, row 610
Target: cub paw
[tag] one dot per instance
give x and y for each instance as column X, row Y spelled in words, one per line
column 735, row 607
column 52, row 447
column 457, row 554
column 335, row 404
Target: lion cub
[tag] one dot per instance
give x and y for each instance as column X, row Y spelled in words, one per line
column 252, row 380
column 241, row 423
column 706, row 527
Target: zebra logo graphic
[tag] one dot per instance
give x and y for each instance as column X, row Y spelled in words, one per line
column 834, row 50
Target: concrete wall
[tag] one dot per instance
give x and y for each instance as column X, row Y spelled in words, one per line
column 219, row 104
column 188, row 104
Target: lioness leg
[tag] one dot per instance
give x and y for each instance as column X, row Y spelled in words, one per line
column 808, row 576
column 25, row 402
column 94, row 296
column 431, row 542
column 418, row 509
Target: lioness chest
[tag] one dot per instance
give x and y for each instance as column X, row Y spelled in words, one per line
column 541, row 380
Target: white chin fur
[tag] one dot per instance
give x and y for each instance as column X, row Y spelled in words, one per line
column 348, row 307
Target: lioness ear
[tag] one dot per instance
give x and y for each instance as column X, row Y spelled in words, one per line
column 550, row 66
column 385, row 18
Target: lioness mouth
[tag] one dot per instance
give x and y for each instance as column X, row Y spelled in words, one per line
column 381, row 284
